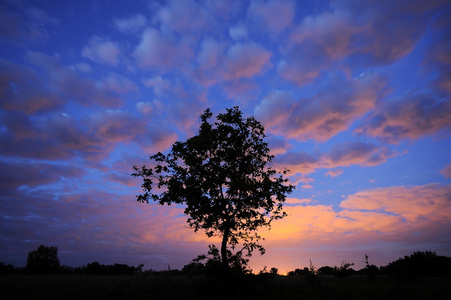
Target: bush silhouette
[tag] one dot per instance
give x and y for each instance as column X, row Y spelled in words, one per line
column 418, row 264
column 43, row 260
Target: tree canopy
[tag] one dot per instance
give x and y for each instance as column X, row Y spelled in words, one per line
column 43, row 260
column 222, row 177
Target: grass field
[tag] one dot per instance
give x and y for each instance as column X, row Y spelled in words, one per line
column 202, row 287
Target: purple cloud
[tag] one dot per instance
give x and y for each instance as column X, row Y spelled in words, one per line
column 157, row 49
column 407, row 117
column 274, row 16
column 131, row 25
column 340, row 102
column 102, row 50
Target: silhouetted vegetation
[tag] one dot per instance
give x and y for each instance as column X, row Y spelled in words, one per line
column 43, row 260
column 222, row 177
column 418, row 265
column 206, row 278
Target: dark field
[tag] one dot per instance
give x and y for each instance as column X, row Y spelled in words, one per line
column 169, row 286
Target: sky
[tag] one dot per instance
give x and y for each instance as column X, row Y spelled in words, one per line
column 354, row 96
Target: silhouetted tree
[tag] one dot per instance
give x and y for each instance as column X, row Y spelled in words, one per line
column 43, row 260
column 222, row 177
column 370, row 270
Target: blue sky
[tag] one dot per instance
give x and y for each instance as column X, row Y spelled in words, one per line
column 354, row 96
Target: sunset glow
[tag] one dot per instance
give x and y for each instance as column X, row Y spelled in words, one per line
column 354, row 96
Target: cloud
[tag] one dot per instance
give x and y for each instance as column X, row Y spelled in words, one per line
column 161, row 50
column 245, row 60
column 333, row 173
column 131, row 25
column 382, row 215
column 332, row 110
column 97, row 224
column 315, row 44
column 216, row 63
column 336, row 39
column 426, row 203
column 116, row 126
column 408, row 117
column 356, row 153
column 66, row 84
column 272, row 16
column 238, row 33
column 102, row 50
column 187, row 17
column 299, row 162
column 340, row 155
column 446, row 171
column 21, row 24
column 22, row 89
column 14, row 174
column 437, row 59
column 53, row 137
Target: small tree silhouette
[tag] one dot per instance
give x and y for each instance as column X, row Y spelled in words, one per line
column 43, row 260
column 371, row 270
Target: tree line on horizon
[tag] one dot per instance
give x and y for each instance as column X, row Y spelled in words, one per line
column 44, row 261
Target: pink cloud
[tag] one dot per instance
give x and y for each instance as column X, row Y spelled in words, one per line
column 187, row 17
column 14, row 175
column 273, row 15
column 278, row 145
column 315, row 44
column 102, row 51
column 334, row 173
column 298, row 178
column 446, row 171
column 322, row 116
column 335, row 38
column 408, row 117
column 426, row 203
column 67, row 84
column 299, row 162
column 116, row 126
column 246, row 60
column 357, row 153
column 22, row 89
column 119, row 84
column 157, row 49
column 239, row 61
column 341, row 155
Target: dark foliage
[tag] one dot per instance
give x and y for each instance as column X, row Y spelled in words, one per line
column 43, row 260
column 417, row 265
column 344, row 270
column 326, row 270
column 221, row 176
column 95, row 268
column 210, row 264
column 370, row 270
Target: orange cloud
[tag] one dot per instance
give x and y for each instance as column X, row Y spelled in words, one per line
column 382, row 214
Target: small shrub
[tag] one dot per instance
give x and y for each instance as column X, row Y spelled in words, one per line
column 344, row 270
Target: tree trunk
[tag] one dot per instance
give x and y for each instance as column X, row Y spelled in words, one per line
column 225, row 238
